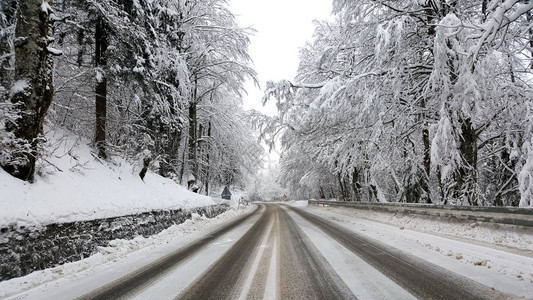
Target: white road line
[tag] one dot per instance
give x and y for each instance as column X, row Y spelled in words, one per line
column 271, row 285
column 255, row 265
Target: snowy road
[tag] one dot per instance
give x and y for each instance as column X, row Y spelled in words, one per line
column 273, row 259
column 286, row 252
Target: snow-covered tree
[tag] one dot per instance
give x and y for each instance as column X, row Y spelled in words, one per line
column 402, row 101
column 158, row 82
column 32, row 89
column 218, row 62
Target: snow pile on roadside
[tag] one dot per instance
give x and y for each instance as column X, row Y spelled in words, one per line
column 171, row 238
column 508, row 236
column 121, row 247
column 458, row 247
column 73, row 185
column 299, row 203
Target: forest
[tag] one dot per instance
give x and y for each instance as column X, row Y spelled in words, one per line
column 426, row 101
column 157, row 82
column 418, row 101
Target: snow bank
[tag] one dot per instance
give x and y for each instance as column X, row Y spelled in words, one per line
column 71, row 184
column 502, row 235
column 497, row 256
column 299, row 203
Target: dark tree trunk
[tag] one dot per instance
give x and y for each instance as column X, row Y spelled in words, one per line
column 183, row 161
column 529, row 16
column 192, row 157
column 81, row 47
column 424, row 178
column 341, row 185
column 484, row 10
column 207, row 174
column 356, row 186
column 466, row 175
column 432, row 13
column 508, row 193
column 101, row 44
column 427, row 150
column 33, row 85
column 373, row 189
column 146, row 163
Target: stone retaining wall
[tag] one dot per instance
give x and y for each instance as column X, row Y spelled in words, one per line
column 24, row 250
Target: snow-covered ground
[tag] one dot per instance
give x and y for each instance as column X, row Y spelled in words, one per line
column 71, row 184
column 496, row 256
column 460, row 248
column 509, row 237
column 120, row 258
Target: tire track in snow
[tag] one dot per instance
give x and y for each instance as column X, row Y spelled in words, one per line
column 261, row 279
column 221, row 281
column 305, row 273
column 422, row 279
column 145, row 276
column 273, row 260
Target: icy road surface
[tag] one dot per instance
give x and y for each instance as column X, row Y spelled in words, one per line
column 286, row 252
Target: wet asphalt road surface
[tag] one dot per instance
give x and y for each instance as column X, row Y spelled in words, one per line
column 275, row 259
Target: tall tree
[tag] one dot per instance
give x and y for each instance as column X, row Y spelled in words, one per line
column 33, row 87
column 218, row 63
column 100, row 61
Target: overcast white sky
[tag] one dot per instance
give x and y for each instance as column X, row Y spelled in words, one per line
column 283, row 26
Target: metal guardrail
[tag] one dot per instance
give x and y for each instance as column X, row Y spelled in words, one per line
column 501, row 215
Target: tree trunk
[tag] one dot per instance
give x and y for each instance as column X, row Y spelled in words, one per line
column 373, row 189
column 356, row 186
column 504, row 166
column 207, row 174
column 424, row 179
column 321, row 193
column 427, row 150
column 33, row 87
column 146, row 164
column 431, row 14
column 192, row 157
column 81, row 46
column 484, row 10
column 339, row 179
column 466, row 175
column 183, row 160
column 529, row 16
column 101, row 43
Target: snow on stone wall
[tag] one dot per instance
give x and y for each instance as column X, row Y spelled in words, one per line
column 27, row 249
